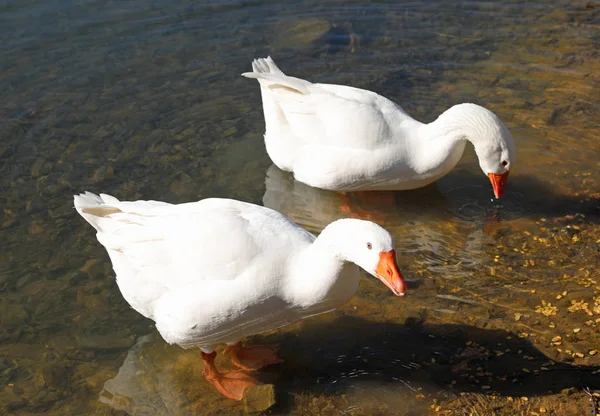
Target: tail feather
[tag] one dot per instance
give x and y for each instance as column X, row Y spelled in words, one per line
column 87, row 200
column 269, row 75
column 94, row 207
column 135, row 247
column 118, row 223
column 266, row 66
column 108, row 199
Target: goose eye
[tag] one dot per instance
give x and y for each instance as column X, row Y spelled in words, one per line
column 369, row 246
column 504, row 163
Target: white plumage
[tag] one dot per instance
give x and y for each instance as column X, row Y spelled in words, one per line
column 217, row 270
column 343, row 138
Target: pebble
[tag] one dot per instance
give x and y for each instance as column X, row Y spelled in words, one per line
column 259, row 398
column 76, row 277
column 12, row 401
column 23, row 281
column 36, row 169
column 13, row 314
column 55, row 376
column 569, row 391
column 109, row 342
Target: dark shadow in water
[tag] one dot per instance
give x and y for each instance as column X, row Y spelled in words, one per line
column 411, row 358
column 377, row 366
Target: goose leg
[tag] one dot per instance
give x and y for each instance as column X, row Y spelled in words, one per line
column 231, row 384
column 252, row 358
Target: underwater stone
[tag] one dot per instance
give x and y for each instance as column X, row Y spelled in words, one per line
column 11, row 401
column 259, row 398
column 94, row 268
column 23, row 281
column 44, row 398
column 303, row 33
column 106, row 342
column 36, row 169
column 77, row 277
column 13, row 314
column 54, row 375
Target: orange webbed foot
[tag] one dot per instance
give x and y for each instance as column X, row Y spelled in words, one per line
column 253, row 358
column 231, row 384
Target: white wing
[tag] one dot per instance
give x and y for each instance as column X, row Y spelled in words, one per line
column 157, row 247
column 329, row 115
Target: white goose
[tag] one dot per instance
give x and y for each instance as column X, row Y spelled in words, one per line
column 218, row 270
column 347, row 139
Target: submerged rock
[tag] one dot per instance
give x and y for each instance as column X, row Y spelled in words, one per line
column 13, row 314
column 11, row 401
column 106, row 342
column 94, row 268
column 45, row 398
column 259, row 398
column 39, row 168
column 54, row 376
column 303, row 33
column 22, row 281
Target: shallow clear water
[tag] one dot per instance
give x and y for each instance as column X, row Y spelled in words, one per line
column 145, row 100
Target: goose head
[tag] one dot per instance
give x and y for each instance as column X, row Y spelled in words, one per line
column 369, row 246
column 496, row 154
column 494, row 145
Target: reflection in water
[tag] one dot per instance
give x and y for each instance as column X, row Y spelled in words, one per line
column 315, row 208
column 423, row 221
column 159, row 379
column 137, row 389
column 472, row 203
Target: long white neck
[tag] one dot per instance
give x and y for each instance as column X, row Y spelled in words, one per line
column 466, row 121
column 319, row 276
column 450, row 132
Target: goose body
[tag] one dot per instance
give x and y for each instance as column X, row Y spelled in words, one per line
column 342, row 138
column 218, row 270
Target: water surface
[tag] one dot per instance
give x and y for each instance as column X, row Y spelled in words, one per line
column 145, row 100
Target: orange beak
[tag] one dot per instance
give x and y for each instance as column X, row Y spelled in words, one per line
column 498, row 182
column 387, row 271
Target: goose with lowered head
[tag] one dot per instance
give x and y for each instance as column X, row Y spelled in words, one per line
column 218, row 270
column 342, row 138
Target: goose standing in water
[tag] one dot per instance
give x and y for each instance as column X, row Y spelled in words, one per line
column 342, row 138
column 218, row 270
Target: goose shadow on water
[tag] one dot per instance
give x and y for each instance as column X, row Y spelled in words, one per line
column 389, row 363
column 384, row 366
